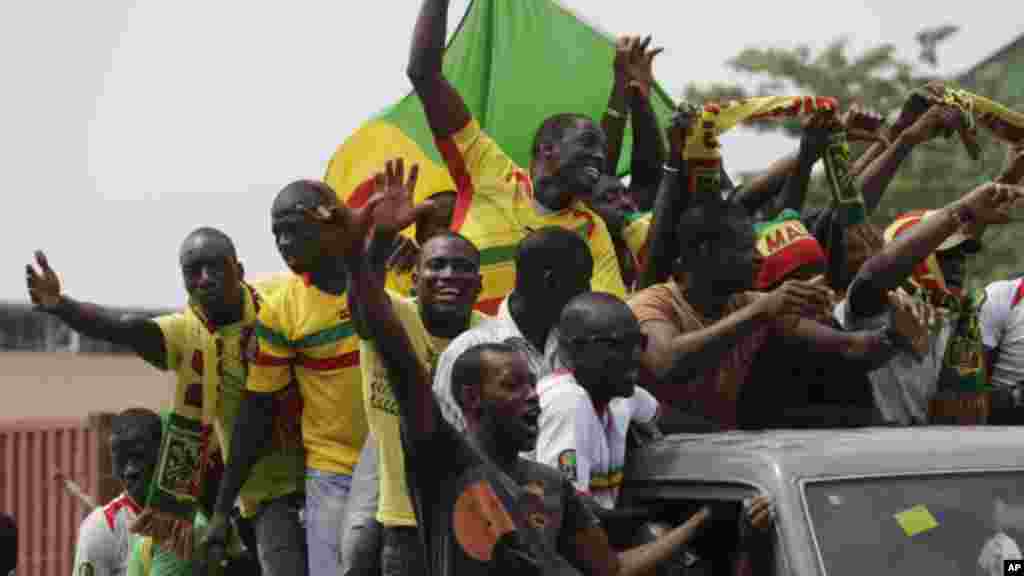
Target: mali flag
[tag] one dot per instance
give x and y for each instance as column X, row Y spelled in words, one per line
column 515, row 62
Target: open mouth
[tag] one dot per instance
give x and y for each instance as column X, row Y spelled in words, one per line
column 448, row 294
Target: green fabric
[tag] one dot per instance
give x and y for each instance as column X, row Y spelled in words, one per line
column 162, row 562
column 516, row 62
column 965, row 351
column 181, row 450
column 845, row 193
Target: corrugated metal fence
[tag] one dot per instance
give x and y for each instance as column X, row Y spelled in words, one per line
column 32, row 455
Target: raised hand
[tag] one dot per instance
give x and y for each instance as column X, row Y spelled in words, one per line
column 939, row 120
column 817, row 132
column 641, row 65
column 623, row 51
column 43, row 286
column 863, row 125
column 345, row 228
column 394, row 209
column 991, row 202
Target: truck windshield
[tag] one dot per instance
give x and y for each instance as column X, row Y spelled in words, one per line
column 949, row 524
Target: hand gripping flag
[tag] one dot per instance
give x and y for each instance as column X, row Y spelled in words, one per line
column 515, row 62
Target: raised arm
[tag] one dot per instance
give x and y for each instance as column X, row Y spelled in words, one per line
column 671, row 200
column 875, row 179
column 648, row 148
column 445, row 109
column 142, row 335
column 392, row 212
column 613, row 121
column 985, row 205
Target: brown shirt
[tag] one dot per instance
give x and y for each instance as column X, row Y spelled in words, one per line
column 713, row 394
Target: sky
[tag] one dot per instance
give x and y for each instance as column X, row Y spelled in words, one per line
column 124, row 125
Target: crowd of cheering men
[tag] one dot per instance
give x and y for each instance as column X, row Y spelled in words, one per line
column 478, row 420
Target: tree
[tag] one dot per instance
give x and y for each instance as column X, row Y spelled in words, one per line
column 936, row 173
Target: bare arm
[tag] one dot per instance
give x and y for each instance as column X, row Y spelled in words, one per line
column 445, row 109
column 140, row 334
column 251, row 437
column 876, row 178
column 613, row 122
column 596, row 555
column 670, row 201
column 648, row 150
column 679, row 357
column 767, row 185
column 985, row 205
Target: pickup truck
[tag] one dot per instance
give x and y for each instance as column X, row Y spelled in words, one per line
column 935, row 501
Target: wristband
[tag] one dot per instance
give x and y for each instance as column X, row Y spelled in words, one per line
column 615, row 113
column 963, row 215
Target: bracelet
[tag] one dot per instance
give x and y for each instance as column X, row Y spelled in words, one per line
column 669, row 169
column 963, row 215
column 615, row 113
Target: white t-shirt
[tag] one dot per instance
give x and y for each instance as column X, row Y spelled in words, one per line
column 104, row 542
column 999, row 548
column 903, row 387
column 501, row 328
column 587, row 447
column 1002, row 329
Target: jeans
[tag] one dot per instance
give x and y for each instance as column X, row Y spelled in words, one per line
column 326, row 501
column 360, row 546
column 280, row 539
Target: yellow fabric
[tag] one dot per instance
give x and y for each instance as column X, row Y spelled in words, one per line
column 502, row 209
column 400, row 282
column 394, row 507
column 213, row 360
column 635, row 235
column 359, row 157
column 717, row 119
column 303, row 328
column 1005, row 124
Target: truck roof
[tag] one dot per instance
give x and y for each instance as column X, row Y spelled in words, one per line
column 772, row 456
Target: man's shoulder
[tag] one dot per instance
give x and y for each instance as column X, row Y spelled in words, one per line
column 488, row 329
column 560, row 384
column 95, row 525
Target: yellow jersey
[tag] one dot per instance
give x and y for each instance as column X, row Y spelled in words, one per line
column 303, row 331
column 495, row 208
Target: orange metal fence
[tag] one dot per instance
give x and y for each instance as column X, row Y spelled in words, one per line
column 32, row 455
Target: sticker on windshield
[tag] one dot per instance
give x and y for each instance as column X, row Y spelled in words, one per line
column 916, row 520
column 835, row 499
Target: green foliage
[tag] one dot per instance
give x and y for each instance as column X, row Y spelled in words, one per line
column 937, row 172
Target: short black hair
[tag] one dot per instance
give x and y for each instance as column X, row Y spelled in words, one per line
column 583, row 309
column 138, row 419
column 468, row 369
column 550, row 247
column 211, row 232
column 313, row 193
column 456, row 236
column 553, row 128
column 8, row 544
column 705, row 223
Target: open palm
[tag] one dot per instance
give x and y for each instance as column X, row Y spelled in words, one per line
column 393, row 207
